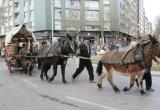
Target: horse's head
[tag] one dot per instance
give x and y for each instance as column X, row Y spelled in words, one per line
column 155, row 46
column 73, row 47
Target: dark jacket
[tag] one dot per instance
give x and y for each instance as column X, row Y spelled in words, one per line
column 84, row 51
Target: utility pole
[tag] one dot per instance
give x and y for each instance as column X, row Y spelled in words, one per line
column 138, row 16
column 52, row 6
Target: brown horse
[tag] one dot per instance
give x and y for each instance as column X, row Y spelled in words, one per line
column 128, row 64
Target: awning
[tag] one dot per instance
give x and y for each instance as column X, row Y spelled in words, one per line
column 19, row 34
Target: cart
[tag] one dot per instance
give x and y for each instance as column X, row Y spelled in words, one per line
column 16, row 36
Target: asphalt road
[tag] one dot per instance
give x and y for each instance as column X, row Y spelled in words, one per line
column 20, row 91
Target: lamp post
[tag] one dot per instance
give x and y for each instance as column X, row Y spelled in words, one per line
column 52, row 6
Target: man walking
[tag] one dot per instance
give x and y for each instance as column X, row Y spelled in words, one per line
column 85, row 51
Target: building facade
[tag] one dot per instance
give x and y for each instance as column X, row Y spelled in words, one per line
column 35, row 14
column 102, row 18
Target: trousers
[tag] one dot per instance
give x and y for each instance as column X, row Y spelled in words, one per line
column 82, row 64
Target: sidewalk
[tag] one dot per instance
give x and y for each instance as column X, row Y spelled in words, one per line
column 155, row 73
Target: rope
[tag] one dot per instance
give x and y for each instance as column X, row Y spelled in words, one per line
column 51, row 55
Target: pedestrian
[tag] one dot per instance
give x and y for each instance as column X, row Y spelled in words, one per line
column 85, row 51
column 3, row 52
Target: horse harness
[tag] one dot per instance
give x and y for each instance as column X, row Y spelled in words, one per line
column 138, row 55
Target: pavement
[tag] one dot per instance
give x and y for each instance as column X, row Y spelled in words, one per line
column 19, row 91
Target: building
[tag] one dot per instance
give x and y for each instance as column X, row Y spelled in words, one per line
column 114, row 21
column 2, row 23
column 148, row 27
column 35, row 14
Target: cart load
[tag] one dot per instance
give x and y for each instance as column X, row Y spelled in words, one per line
column 17, row 36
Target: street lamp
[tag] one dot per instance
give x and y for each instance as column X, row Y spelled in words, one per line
column 52, row 6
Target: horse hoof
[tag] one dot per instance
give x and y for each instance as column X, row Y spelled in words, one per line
column 142, row 92
column 64, row 82
column 125, row 89
column 116, row 89
column 50, row 80
column 42, row 78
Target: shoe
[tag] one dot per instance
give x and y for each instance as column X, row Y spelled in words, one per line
column 151, row 90
column 93, row 81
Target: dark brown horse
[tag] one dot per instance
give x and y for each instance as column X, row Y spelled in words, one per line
column 128, row 64
column 55, row 55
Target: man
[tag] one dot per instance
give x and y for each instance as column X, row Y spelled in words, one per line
column 85, row 51
column 23, row 50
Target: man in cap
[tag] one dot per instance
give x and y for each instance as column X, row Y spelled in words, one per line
column 85, row 51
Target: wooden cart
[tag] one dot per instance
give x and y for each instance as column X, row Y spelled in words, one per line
column 16, row 36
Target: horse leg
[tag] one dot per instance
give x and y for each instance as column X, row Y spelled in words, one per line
column 99, row 84
column 55, row 73
column 39, row 64
column 46, row 68
column 110, row 79
column 63, row 73
column 42, row 71
column 132, row 78
column 41, row 76
column 30, row 67
column 141, row 83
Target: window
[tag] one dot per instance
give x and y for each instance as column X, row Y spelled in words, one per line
column 16, row 4
column 92, row 15
column 57, row 25
column 73, row 14
column 16, row 15
column 31, row 14
column 92, row 5
column 106, row 2
column 25, row 15
column 72, row 3
column 57, row 3
column 106, row 16
column 25, row 3
column 106, row 25
column 106, row 9
column 57, row 13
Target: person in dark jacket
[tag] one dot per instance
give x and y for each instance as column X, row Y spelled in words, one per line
column 85, row 51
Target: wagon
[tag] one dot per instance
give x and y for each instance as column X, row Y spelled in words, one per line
column 13, row 39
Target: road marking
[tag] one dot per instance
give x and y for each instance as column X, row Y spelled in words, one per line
column 91, row 103
column 28, row 82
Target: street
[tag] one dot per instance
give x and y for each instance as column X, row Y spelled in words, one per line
column 20, row 91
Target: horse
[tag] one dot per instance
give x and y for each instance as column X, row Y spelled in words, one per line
column 57, row 54
column 129, row 63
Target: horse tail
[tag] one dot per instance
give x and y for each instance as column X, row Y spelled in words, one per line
column 99, row 68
